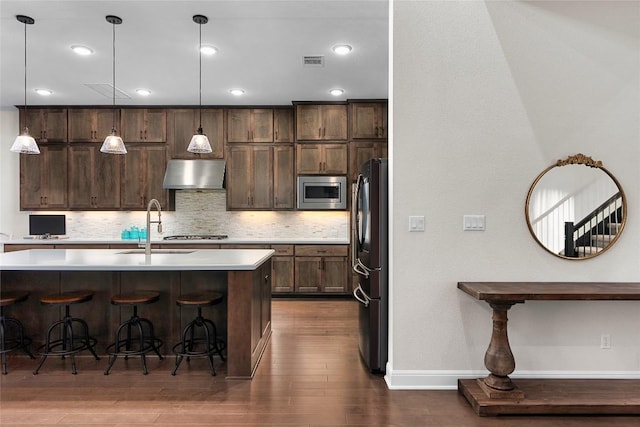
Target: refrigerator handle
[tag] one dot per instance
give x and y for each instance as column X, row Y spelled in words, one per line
column 360, row 268
column 365, row 300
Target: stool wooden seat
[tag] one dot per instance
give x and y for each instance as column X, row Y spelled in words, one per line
column 139, row 337
column 205, row 345
column 69, row 342
column 12, row 335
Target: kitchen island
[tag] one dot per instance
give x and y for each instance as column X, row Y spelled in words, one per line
column 243, row 275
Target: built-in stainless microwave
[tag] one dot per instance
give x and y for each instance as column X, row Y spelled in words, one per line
column 322, row 192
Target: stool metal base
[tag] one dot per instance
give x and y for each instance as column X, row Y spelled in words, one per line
column 206, row 346
column 12, row 343
column 69, row 344
column 132, row 345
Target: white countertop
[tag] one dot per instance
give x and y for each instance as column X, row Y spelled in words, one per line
column 116, row 260
column 156, row 241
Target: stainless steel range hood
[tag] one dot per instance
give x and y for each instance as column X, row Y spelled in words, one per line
column 194, row 175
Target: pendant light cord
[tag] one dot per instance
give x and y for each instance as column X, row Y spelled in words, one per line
column 24, row 120
column 200, row 79
column 113, row 53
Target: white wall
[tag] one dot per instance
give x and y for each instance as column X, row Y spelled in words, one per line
column 486, row 95
column 10, row 218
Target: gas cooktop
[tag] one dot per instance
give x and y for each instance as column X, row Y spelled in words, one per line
column 196, row 237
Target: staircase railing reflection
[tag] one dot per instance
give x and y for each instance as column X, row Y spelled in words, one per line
column 595, row 230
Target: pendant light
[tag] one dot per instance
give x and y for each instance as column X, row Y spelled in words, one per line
column 113, row 144
column 199, row 141
column 24, row 142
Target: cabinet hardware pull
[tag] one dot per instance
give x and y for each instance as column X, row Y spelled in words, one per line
column 141, row 135
column 145, row 134
column 249, row 135
column 276, row 135
column 319, row 132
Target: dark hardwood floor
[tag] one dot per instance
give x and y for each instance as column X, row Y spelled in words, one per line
column 310, row 375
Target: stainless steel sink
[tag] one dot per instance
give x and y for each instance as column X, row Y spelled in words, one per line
column 156, row 251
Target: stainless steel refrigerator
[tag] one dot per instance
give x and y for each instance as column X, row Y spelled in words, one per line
column 370, row 261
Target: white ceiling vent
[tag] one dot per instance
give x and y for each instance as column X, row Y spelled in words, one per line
column 313, row 61
column 106, row 90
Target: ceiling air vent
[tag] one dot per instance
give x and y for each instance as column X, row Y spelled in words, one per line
column 313, row 61
column 106, row 90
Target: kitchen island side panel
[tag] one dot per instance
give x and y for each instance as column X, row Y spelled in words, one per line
column 249, row 317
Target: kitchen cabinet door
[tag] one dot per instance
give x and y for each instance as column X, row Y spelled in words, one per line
column 307, row 274
column 262, row 168
column 335, row 274
column 335, row 159
column 94, row 178
column 46, row 124
column 143, row 125
column 183, row 123
column 325, row 159
column 142, row 176
column 282, row 274
column 283, row 125
column 321, row 122
column 249, row 177
column 91, row 124
column 334, row 122
column 369, row 120
column 249, row 125
column 360, row 152
column 43, row 179
column 283, row 177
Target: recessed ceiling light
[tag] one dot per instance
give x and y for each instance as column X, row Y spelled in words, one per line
column 336, row 92
column 143, row 92
column 342, row 49
column 44, row 92
column 237, row 92
column 82, row 50
column 208, row 50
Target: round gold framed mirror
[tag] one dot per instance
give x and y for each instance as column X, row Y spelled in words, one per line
column 576, row 209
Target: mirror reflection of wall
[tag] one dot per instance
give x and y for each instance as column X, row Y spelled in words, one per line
column 586, row 196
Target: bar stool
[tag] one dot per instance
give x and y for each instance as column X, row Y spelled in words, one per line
column 69, row 343
column 206, row 344
column 12, row 338
column 139, row 337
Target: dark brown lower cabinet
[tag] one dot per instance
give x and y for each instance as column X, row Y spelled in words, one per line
column 282, row 276
column 321, row 269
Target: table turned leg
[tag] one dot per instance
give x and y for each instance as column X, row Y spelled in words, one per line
column 499, row 359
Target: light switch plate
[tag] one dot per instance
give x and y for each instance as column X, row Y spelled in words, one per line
column 416, row 223
column 473, row 222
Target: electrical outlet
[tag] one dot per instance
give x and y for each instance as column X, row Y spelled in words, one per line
column 605, row 341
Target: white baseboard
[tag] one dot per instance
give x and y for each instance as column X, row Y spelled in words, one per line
column 448, row 380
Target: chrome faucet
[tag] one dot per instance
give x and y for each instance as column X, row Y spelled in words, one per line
column 147, row 246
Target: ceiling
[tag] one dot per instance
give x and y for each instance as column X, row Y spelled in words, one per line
column 261, row 44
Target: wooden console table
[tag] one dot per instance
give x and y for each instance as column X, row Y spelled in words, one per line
column 497, row 394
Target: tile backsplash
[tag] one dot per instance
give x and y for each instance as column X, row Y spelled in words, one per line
column 204, row 212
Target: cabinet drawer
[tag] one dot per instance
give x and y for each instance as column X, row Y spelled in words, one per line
column 322, row 250
column 244, row 246
column 282, row 249
column 189, row 246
